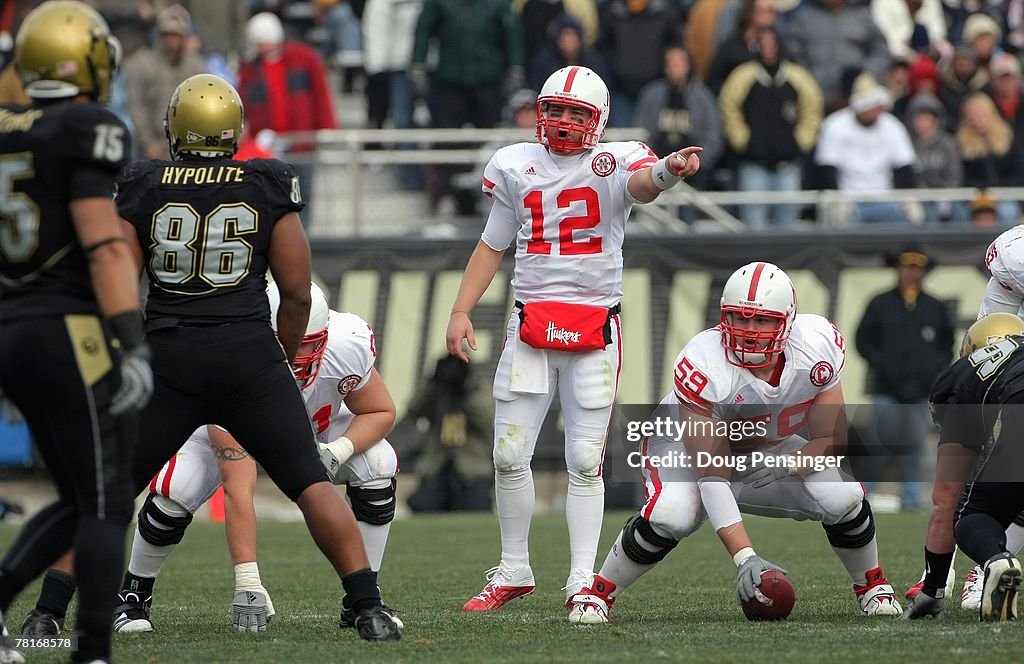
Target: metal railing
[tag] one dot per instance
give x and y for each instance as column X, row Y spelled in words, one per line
column 355, row 192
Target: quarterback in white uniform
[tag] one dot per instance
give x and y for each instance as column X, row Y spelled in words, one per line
column 563, row 202
column 743, row 390
column 351, row 411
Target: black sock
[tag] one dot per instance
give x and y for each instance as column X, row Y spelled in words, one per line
column 55, row 595
column 139, row 585
column 937, row 571
column 361, row 588
column 8, row 590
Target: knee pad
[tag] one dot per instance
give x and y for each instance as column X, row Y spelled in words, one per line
column 842, row 535
column 512, row 447
column 583, row 457
column 512, row 480
column 174, row 524
column 373, row 506
column 639, row 526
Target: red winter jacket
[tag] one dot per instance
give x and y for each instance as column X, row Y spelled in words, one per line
column 306, row 103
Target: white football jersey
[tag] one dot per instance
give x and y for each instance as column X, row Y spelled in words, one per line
column 345, row 367
column 567, row 216
column 1005, row 261
column 708, row 384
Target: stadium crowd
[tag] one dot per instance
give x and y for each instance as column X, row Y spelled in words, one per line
column 781, row 93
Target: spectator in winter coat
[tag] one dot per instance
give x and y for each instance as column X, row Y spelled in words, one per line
column 771, row 112
column 938, row 162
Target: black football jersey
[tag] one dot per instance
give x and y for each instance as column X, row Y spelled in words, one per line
column 205, row 228
column 49, row 156
column 966, row 397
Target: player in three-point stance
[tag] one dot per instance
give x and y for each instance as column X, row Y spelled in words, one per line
column 978, row 404
column 763, row 365
column 563, row 202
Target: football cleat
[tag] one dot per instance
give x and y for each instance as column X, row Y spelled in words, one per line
column 40, row 623
column 970, row 598
column 133, row 613
column 378, row 624
column 592, row 605
column 579, row 579
column 250, row 611
column 348, row 616
column 8, row 653
column 877, row 597
column 999, row 592
column 503, row 584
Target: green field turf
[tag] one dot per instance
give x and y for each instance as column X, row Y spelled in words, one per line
column 684, row 610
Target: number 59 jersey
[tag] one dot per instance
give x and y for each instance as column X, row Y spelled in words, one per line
column 708, row 384
column 205, row 228
column 567, row 216
column 50, row 156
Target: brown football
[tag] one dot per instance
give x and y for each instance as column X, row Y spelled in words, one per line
column 773, row 599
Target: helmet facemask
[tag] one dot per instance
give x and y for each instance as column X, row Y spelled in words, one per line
column 565, row 135
column 748, row 346
column 307, row 365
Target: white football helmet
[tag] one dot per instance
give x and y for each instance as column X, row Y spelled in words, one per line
column 756, row 289
column 307, row 365
column 573, row 86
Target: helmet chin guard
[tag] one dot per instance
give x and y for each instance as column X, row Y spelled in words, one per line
column 756, row 290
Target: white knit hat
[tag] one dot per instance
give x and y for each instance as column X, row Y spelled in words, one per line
column 867, row 94
column 264, row 28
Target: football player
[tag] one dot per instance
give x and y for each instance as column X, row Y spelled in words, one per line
column 977, row 494
column 351, row 411
column 73, row 358
column 1003, row 294
column 744, row 388
column 564, row 202
column 206, row 229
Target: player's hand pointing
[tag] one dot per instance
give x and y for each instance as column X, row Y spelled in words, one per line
column 685, row 162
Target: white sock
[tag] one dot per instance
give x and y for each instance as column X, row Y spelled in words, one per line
column 620, row 569
column 247, row 577
column 148, row 559
column 858, row 561
column 1014, row 538
column 375, row 538
column 584, row 512
column 514, row 495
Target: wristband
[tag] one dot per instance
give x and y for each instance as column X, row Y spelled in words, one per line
column 743, row 554
column 342, row 449
column 662, row 176
column 128, row 328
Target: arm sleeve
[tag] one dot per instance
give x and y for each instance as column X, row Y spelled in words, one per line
column 719, row 503
column 502, row 222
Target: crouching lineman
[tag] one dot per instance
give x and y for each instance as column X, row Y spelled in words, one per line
column 351, row 411
column 978, row 404
column 778, row 371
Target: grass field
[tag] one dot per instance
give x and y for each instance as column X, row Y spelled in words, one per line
column 684, row 610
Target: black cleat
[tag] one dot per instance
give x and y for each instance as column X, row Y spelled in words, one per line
column 40, row 623
column 378, row 624
column 132, row 615
column 348, row 616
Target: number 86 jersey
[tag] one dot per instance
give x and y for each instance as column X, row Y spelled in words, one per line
column 205, row 227
column 567, row 216
column 706, row 383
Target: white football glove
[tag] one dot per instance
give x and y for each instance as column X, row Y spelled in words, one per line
column 334, row 455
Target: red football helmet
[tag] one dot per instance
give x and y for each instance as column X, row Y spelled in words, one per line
column 581, row 88
column 307, row 365
column 757, row 289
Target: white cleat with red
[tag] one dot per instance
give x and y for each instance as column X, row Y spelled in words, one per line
column 970, row 598
column 503, row 585
column 877, row 597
